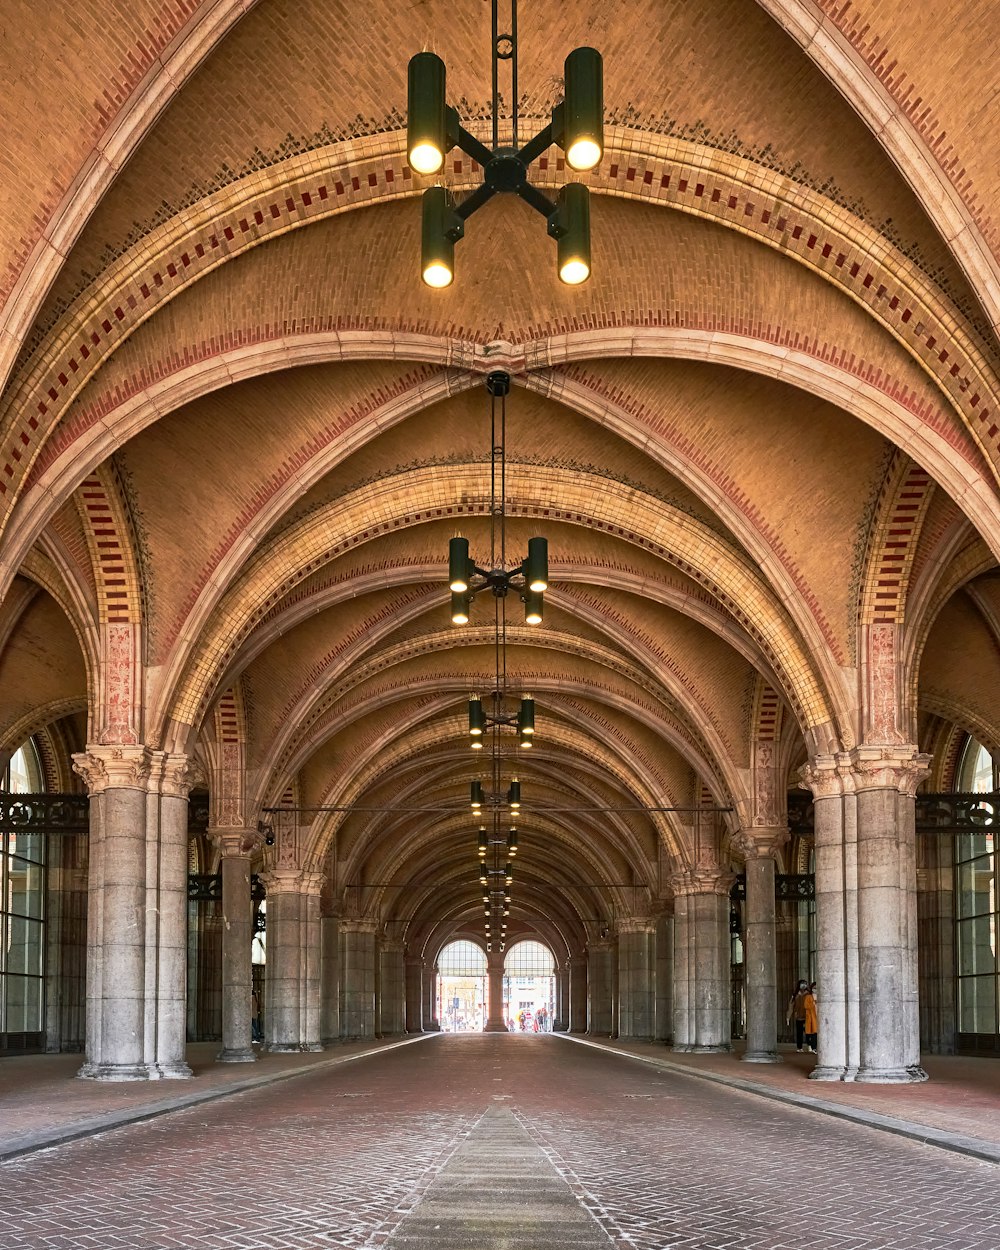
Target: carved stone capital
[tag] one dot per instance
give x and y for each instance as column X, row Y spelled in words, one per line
column 292, row 881
column 760, row 842
column 359, row 926
column 702, row 880
column 114, row 768
column 171, row 775
column 887, row 767
column 229, row 842
column 828, row 776
column 636, row 924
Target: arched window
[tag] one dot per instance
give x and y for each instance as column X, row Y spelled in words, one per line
column 976, row 912
column 461, row 987
column 22, row 916
column 529, row 987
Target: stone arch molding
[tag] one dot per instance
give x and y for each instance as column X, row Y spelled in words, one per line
column 824, row 39
column 687, row 177
column 228, row 619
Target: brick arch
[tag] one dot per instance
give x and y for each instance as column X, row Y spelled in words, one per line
column 31, row 723
column 47, row 566
column 895, row 532
column 854, row 57
column 431, row 493
column 688, row 177
column 408, row 739
column 968, row 721
column 153, row 74
column 767, row 714
column 104, row 519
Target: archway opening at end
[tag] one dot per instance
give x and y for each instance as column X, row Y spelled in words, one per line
column 461, row 988
column 529, row 984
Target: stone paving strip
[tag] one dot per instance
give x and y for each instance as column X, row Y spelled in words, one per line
column 976, row 1147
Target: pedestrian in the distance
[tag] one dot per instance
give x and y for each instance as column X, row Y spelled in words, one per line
column 796, row 1012
column 812, row 1018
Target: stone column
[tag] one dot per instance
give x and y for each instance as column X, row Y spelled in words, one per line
column 664, row 943
column 392, row 988
column 936, row 928
column 137, row 914
column 599, row 988
column 835, row 847
column 636, row 978
column 357, row 979
column 329, row 990
column 760, row 847
column 578, row 994
column 292, row 1016
column 701, row 982
column 431, row 1022
column 495, row 1021
column 237, row 937
column 311, row 959
column 561, row 1022
column 886, row 779
column 414, row 995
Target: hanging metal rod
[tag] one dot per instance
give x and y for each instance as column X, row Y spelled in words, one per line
column 452, row 810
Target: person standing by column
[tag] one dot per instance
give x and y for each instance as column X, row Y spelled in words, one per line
column 797, row 1013
column 812, row 1018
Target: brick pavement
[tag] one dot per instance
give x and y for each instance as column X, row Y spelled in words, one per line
column 356, row 1155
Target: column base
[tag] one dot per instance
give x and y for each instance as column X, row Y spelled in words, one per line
column 114, row 1072
column 892, row 1076
column 715, row 1048
column 178, row 1071
column 493, row 1026
column 761, row 1056
column 826, row 1072
column 311, row 1047
column 283, row 1048
column 681, row 1048
column 236, row 1054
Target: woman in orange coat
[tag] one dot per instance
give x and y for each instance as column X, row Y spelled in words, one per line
column 812, row 1017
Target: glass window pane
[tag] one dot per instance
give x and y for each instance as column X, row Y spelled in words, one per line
column 23, row 950
column 977, row 945
column 28, row 846
column 976, row 887
column 23, row 1004
column 977, row 1005
column 24, row 894
column 970, row 845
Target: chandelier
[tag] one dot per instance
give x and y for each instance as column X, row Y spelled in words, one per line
column 576, row 126
column 466, row 579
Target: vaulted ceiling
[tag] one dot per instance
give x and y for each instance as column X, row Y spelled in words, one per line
column 235, row 421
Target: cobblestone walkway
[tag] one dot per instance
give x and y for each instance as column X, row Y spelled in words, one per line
column 380, row 1152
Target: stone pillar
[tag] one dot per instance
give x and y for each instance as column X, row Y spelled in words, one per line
column 663, row 1007
column 329, row 988
column 885, row 780
column 681, row 1014
column 292, row 1015
column 392, row 988
column 137, row 914
column 599, row 988
column 561, row 1022
column 578, row 994
column 431, row 1022
column 357, row 979
column 936, row 928
column 701, row 981
column 636, row 991
column 495, row 1021
column 237, row 937
column 760, row 847
column 835, row 849
column 414, row 995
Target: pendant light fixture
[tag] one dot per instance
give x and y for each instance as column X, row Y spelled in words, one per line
column 433, row 129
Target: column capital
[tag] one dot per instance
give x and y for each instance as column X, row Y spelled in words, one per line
column 114, row 768
column 171, row 774
column 760, row 842
column 828, row 776
column 636, row 924
column 702, row 880
column 234, row 842
column 351, row 925
column 886, row 767
column 393, row 944
column 292, row 881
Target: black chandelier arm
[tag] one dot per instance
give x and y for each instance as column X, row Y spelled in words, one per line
column 473, row 147
column 535, row 147
column 537, row 199
column 476, row 200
